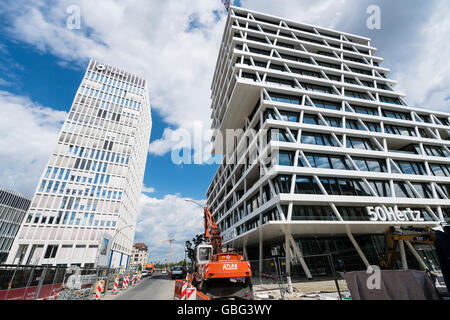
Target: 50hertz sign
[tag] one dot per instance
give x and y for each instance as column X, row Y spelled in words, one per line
column 393, row 214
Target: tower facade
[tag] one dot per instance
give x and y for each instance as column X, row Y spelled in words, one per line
column 348, row 157
column 13, row 207
column 85, row 207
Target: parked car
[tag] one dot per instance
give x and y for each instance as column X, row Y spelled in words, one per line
column 144, row 273
column 163, row 271
column 177, row 272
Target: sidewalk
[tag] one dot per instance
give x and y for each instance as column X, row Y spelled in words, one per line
column 306, row 290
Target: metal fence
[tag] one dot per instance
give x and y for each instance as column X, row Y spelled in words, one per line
column 269, row 273
column 272, row 271
column 56, row 283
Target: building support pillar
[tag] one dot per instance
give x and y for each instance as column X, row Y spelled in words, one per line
column 358, row 249
column 261, row 251
column 416, row 255
column 299, row 254
column 287, row 251
column 244, row 251
column 403, row 255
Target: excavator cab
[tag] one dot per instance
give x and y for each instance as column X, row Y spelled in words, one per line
column 204, row 253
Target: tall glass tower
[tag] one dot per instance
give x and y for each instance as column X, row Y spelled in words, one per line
column 85, row 206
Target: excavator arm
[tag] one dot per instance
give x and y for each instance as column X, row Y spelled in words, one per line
column 212, row 232
column 414, row 235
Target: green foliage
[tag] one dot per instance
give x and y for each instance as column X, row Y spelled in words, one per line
column 198, row 239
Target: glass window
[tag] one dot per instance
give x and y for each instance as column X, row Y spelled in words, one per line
column 402, row 190
column 286, row 158
column 306, row 185
column 382, row 188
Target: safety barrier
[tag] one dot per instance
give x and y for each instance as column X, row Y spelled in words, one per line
column 178, row 288
column 185, row 291
column 60, row 283
column 116, row 284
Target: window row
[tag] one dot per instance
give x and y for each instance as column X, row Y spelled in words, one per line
column 356, row 187
column 113, row 82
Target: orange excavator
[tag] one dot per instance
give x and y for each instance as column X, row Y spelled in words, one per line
column 219, row 275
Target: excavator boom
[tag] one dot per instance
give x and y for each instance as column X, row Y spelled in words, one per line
column 212, row 232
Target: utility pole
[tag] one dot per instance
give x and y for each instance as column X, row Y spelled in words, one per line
column 170, row 245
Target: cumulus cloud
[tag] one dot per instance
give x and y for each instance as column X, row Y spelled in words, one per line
column 28, row 134
column 411, row 38
column 146, row 189
column 424, row 74
column 171, row 217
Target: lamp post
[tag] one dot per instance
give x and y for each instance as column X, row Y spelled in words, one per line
column 197, row 203
column 112, row 242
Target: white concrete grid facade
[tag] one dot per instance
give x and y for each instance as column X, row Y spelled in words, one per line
column 90, row 189
column 348, row 147
column 13, row 207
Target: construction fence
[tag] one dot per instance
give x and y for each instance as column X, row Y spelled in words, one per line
column 61, row 283
column 272, row 273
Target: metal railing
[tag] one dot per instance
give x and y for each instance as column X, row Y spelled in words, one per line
column 273, row 271
column 27, row 282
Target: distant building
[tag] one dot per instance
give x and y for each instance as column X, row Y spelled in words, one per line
column 13, row 207
column 139, row 254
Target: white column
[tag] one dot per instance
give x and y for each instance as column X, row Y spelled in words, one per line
column 414, row 252
column 260, row 254
column 299, row 254
column 244, row 251
column 403, row 255
column 358, row 249
column 287, row 250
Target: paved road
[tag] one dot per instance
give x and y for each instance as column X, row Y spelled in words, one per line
column 156, row 287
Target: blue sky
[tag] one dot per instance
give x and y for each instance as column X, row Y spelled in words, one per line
column 174, row 45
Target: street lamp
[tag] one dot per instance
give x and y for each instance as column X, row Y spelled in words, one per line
column 112, row 242
column 197, row 203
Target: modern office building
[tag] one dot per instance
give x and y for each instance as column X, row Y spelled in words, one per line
column 139, row 255
column 85, row 207
column 348, row 157
column 13, row 207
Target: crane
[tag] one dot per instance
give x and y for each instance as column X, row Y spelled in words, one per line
column 219, row 274
column 170, row 245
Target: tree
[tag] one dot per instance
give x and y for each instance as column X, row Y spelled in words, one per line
column 190, row 246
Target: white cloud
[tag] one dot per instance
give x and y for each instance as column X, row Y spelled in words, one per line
column 146, row 189
column 171, row 217
column 28, row 134
column 163, row 145
column 324, row 13
column 424, row 74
